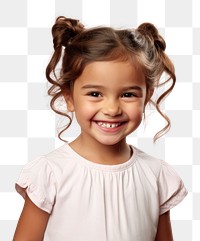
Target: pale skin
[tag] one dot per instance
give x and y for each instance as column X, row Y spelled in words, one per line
column 118, row 100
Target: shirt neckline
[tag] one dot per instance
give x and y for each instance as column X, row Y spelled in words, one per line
column 102, row 167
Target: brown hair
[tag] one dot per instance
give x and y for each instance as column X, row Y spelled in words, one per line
column 77, row 46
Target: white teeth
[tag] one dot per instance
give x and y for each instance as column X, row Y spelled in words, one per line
column 108, row 125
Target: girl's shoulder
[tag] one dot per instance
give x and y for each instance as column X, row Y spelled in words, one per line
column 147, row 161
column 56, row 158
column 55, row 161
column 157, row 166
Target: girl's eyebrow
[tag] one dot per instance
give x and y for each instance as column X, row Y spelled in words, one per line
column 92, row 87
column 134, row 87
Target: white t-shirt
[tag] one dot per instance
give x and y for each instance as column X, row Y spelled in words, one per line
column 93, row 202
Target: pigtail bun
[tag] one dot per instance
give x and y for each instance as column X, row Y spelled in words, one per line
column 156, row 50
column 64, row 30
column 150, row 31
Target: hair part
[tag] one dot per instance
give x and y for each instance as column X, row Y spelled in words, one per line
column 77, row 46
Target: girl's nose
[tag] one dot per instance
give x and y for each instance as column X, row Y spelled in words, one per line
column 111, row 108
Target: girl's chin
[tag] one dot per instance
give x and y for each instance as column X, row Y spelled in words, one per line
column 110, row 141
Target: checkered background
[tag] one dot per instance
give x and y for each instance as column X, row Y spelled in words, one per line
column 28, row 126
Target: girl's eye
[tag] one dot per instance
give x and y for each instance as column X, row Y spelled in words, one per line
column 128, row 95
column 94, row 94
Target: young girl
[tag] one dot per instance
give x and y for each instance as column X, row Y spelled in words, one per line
column 98, row 187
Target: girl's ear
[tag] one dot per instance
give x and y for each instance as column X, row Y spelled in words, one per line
column 69, row 102
column 70, row 105
column 149, row 95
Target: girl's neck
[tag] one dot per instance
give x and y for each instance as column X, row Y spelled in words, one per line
column 102, row 154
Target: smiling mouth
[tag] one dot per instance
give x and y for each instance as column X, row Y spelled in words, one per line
column 108, row 125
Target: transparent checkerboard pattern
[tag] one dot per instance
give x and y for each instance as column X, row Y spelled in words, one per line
column 28, row 127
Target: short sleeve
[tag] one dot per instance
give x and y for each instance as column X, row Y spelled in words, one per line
column 171, row 188
column 37, row 180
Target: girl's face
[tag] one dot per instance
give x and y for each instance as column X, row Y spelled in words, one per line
column 108, row 99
